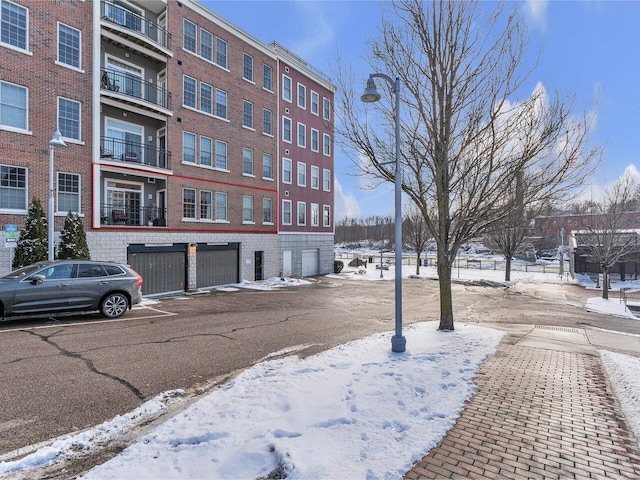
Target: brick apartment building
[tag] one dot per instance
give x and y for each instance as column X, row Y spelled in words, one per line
column 178, row 159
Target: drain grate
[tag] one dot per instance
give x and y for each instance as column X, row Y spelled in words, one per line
column 558, row 329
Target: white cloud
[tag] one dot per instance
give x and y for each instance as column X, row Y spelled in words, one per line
column 537, row 10
column 317, row 21
column 345, row 205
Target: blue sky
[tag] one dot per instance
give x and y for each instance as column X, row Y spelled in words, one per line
column 589, row 49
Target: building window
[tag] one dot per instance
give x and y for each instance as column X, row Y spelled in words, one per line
column 267, row 122
column 247, row 67
column 69, row 118
column 221, row 206
column 206, row 205
column 326, row 144
column 206, row 45
column 188, row 147
column 189, row 92
column 221, row 53
column 188, row 203
column 302, row 96
column 68, row 192
column 206, row 153
column 315, row 177
column 302, row 135
column 315, row 101
column 247, row 114
column 326, row 216
column 267, row 210
column 302, row 213
column 221, row 103
column 267, row 77
column 315, row 215
column 69, row 46
column 267, row 166
column 302, row 174
column 247, row 209
column 315, row 140
column 247, row 161
column 221, row 155
column 286, row 170
column 326, row 180
column 13, row 105
column 14, row 21
column 286, row 129
column 286, row 212
column 206, row 98
column 286, row 88
column 326, row 109
column 190, row 34
column 13, row 188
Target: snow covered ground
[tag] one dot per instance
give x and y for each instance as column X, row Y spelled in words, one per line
column 356, row 411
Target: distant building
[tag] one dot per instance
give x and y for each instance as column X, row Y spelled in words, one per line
column 172, row 118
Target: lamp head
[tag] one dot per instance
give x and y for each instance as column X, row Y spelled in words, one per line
column 370, row 94
column 56, row 140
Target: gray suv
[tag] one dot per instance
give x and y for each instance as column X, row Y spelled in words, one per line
column 65, row 285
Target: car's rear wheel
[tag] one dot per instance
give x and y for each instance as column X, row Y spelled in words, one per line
column 114, row 305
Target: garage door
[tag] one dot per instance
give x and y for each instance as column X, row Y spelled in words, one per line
column 163, row 268
column 217, row 264
column 309, row 262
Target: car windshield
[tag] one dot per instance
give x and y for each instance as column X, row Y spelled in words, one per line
column 24, row 271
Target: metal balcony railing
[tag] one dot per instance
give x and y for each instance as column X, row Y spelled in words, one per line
column 133, row 152
column 134, row 22
column 133, row 86
column 140, row 216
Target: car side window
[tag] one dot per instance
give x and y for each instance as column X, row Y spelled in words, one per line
column 113, row 270
column 57, row 272
column 88, row 270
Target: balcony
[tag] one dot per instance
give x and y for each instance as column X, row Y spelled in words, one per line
column 135, row 90
column 132, row 217
column 134, row 27
column 133, row 153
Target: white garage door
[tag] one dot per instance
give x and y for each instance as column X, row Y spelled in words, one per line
column 309, row 262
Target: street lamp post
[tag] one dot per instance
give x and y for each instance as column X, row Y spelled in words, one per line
column 383, row 221
column 370, row 95
column 56, row 141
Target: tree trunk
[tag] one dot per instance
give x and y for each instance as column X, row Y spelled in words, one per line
column 605, row 284
column 446, row 299
column 418, row 265
column 507, row 269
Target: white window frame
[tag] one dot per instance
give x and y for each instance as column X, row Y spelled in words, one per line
column 195, row 92
column 326, row 144
column 25, row 109
column 195, row 203
column 314, row 212
column 247, row 114
column 186, row 134
column 268, row 68
column 286, row 203
column 315, row 140
column 301, row 135
column 285, row 162
column 246, row 209
column 326, row 108
column 66, row 137
column 268, row 132
column 315, row 103
column 301, row 95
column 301, row 211
column 75, row 195
column 247, row 68
column 219, row 42
column 287, row 91
column 218, row 196
column 326, row 215
column 267, row 206
column 65, row 64
column 206, row 217
column 301, row 174
column 247, row 160
column 270, row 157
column 184, row 36
column 326, row 180
column 285, row 121
column 206, row 86
column 218, row 155
column 315, row 177
column 226, row 104
column 26, row 30
column 203, row 150
column 207, row 34
column 5, row 185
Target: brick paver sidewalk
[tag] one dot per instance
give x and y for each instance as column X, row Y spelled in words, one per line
column 537, row 414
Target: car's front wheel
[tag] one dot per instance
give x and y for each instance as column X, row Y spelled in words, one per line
column 114, row 305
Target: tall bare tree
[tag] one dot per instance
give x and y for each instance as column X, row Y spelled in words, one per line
column 607, row 237
column 465, row 136
column 416, row 234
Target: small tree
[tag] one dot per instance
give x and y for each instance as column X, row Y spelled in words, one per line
column 416, row 232
column 73, row 240
column 33, row 242
column 607, row 238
